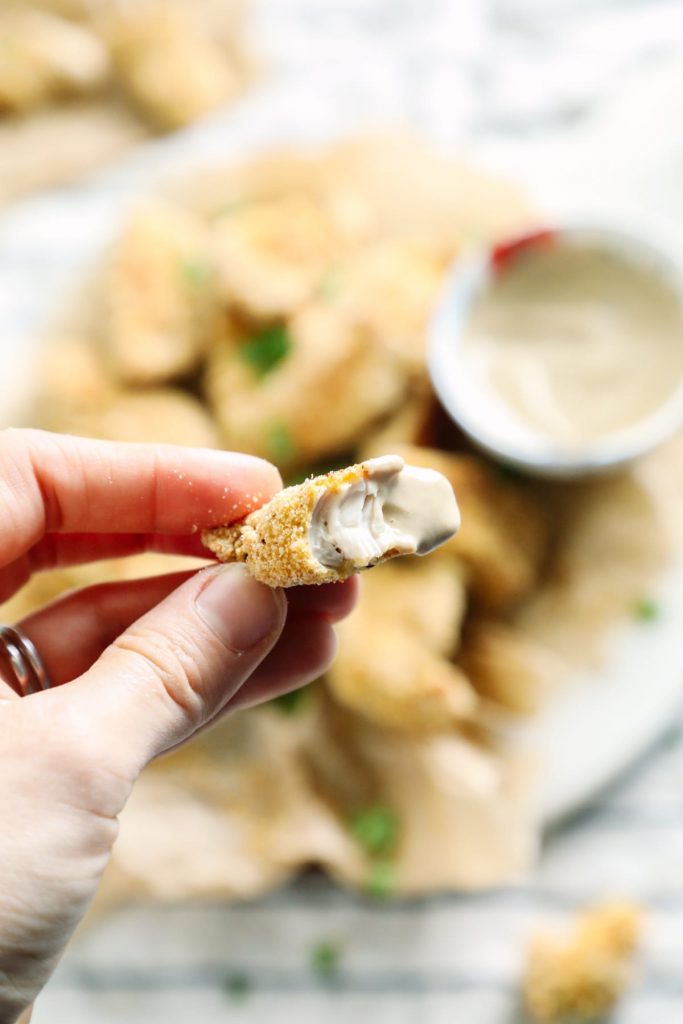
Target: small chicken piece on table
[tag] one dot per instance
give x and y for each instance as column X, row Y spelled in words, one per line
column 331, row 526
column 582, row 978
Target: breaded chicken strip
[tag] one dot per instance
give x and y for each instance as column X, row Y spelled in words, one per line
column 156, row 296
column 271, row 257
column 169, row 62
column 329, row 527
column 310, row 398
column 393, row 665
column 504, row 533
column 44, row 57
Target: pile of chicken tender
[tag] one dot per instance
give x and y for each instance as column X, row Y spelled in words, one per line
column 280, row 308
column 85, row 79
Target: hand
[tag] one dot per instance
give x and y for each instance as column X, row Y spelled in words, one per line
column 137, row 667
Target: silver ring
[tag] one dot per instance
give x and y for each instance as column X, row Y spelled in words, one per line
column 19, row 653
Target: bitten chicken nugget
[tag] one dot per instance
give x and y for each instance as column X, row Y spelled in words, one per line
column 331, row 526
column 156, row 296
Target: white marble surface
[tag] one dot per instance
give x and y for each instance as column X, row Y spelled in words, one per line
column 581, row 99
column 448, row 959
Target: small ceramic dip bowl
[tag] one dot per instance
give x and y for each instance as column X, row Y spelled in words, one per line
column 561, row 352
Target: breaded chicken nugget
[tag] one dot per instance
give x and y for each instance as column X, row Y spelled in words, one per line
column 331, row 526
column 168, row 60
column 271, row 257
column 156, row 296
column 389, row 291
column 151, row 415
column 43, row 57
column 507, row 667
column 72, row 381
column 300, row 391
column 393, row 665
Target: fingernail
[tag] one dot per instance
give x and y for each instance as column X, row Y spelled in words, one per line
column 241, row 611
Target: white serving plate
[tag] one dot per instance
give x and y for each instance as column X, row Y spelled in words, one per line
column 604, row 720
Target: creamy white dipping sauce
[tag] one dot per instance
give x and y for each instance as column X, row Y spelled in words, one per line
column 576, row 341
column 393, row 508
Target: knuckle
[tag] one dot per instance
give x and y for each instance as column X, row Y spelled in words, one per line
column 176, row 664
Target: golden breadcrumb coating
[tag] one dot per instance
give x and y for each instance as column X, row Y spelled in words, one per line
column 581, row 978
column 274, row 540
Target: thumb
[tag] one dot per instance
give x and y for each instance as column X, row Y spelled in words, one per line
column 179, row 664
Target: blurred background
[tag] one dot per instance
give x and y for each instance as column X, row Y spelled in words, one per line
column 578, row 104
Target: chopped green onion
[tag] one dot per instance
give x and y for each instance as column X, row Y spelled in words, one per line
column 376, row 829
column 265, row 349
column 512, row 473
column 281, row 447
column 237, row 986
column 330, row 284
column 646, row 610
column 325, row 958
column 290, row 703
column 381, row 880
column 234, row 206
column 195, row 272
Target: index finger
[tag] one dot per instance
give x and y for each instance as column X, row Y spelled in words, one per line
column 59, row 484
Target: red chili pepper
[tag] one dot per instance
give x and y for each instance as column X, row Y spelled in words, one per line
column 502, row 255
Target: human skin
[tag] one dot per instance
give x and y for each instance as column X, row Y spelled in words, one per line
column 137, row 667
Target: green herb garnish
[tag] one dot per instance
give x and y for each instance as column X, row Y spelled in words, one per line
column 290, row 703
column 512, row 473
column 381, row 880
column 646, row 609
column 330, row 284
column 265, row 349
column 232, row 207
column 195, row 272
column 281, row 447
column 237, row 986
column 376, row 829
column 325, row 957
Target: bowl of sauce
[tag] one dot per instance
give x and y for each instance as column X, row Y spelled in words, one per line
column 561, row 352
